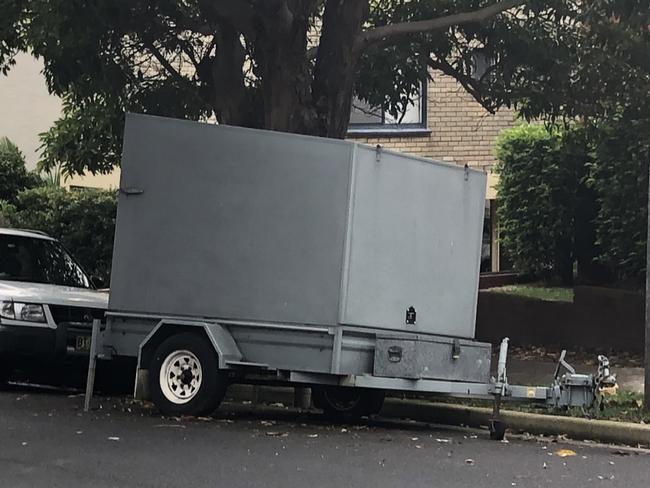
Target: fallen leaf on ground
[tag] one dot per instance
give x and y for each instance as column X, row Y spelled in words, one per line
column 565, row 453
column 277, row 434
column 620, row 452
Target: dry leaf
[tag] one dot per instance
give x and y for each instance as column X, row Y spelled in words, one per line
column 565, row 453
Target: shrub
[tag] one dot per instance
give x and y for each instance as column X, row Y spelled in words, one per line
column 619, row 176
column 542, row 180
column 84, row 221
column 14, row 176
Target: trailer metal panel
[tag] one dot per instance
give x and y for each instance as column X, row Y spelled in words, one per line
column 414, row 241
column 438, row 358
column 231, row 223
column 216, row 221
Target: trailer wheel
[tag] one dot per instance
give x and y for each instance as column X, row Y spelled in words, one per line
column 184, row 378
column 346, row 403
column 497, row 430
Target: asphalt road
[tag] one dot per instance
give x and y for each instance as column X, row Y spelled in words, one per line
column 47, row 441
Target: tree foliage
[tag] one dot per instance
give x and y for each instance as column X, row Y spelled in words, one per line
column 84, row 221
column 295, row 65
column 14, row 176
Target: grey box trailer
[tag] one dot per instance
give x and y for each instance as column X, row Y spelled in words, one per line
column 329, row 263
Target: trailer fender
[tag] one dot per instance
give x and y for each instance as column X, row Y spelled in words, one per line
column 218, row 335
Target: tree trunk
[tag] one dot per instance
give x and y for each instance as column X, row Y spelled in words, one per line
column 226, row 77
column 337, row 66
column 281, row 53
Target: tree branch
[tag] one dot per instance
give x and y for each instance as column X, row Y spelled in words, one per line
column 163, row 61
column 388, row 32
column 466, row 82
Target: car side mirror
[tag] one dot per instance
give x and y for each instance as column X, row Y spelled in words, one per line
column 98, row 281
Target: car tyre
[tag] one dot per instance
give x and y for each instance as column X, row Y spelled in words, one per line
column 184, row 377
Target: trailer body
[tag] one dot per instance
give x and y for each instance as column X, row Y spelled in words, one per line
column 232, row 223
column 311, row 261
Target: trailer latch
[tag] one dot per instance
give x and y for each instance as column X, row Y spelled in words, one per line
column 455, row 349
column 411, row 315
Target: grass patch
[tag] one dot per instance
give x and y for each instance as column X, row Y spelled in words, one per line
column 624, row 406
column 539, row 292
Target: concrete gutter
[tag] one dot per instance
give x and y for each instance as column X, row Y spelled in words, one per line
column 607, row 431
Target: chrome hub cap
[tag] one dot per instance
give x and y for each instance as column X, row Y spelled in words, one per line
column 180, row 376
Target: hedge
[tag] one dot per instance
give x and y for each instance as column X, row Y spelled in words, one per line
column 541, row 173
column 576, row 195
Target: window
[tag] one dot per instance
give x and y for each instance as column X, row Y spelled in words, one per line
column 487, row 241
column 365, row 119
column 34, row 260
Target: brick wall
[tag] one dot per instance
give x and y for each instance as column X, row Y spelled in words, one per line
column 461, row 130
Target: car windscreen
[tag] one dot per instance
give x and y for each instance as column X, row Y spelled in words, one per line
column 38, row 261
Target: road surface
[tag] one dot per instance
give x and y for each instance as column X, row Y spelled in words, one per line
column 47, row 441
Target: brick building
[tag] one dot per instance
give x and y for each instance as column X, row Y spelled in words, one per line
column 449, row 126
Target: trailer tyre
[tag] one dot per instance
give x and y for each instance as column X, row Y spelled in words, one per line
column 346, row 403
column 184, row 378
column 5, row 372
column 497, row 430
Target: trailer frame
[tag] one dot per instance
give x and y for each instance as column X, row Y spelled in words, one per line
column 137, row 335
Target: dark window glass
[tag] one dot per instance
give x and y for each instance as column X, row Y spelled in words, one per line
column 486, row 245
column 38, row 261
column 365, row 117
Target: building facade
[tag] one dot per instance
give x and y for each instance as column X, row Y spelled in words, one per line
column 446, row 124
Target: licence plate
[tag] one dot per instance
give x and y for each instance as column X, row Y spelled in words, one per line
column 82, row 343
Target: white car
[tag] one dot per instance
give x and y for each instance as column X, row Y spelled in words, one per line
column 47, row 301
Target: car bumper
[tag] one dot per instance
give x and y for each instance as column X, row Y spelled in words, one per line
column 39, row 341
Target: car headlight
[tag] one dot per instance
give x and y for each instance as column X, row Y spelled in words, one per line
column 29, row 312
